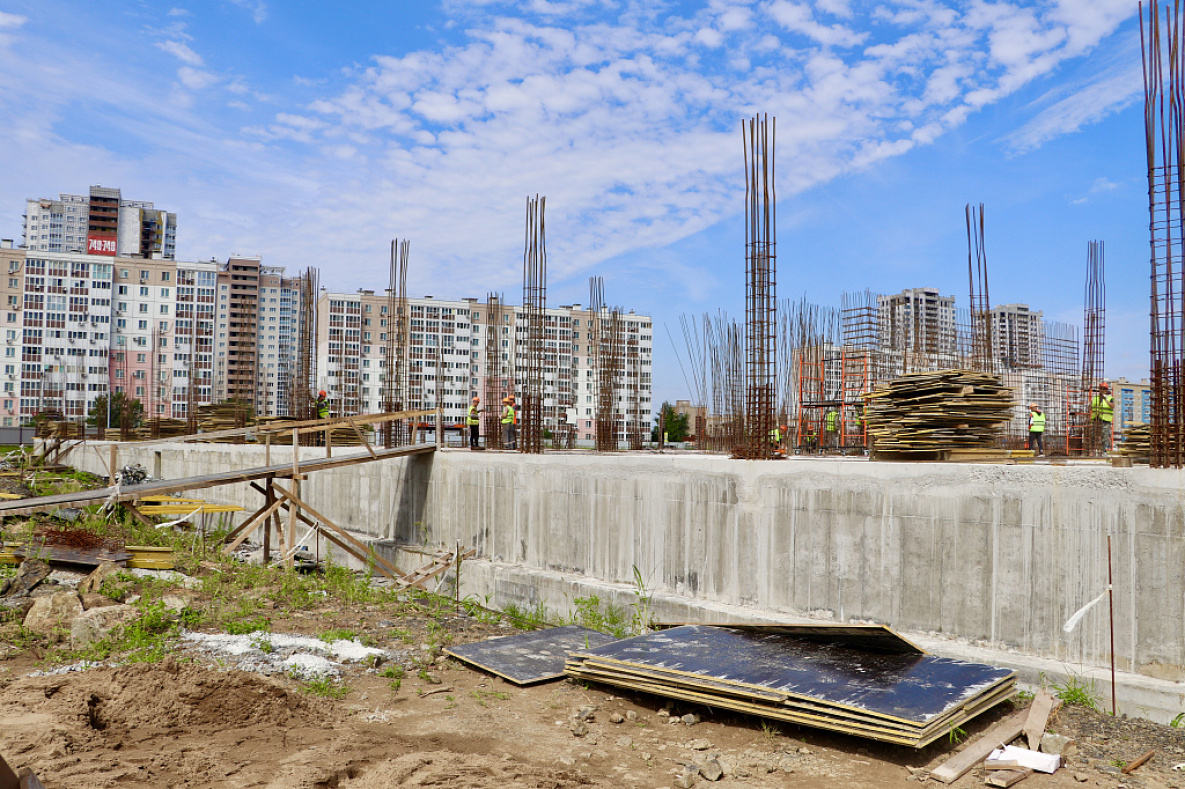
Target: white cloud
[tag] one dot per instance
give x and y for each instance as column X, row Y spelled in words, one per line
column 9, row 22
column 181, row 51
column 1117, row 82
column 196, row 79
column 258, row 9
column 797, row 18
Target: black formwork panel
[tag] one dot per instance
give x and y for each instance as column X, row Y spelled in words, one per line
column 528, row 658
column 905, row 696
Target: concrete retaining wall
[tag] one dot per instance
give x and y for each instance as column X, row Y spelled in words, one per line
column 996, row 555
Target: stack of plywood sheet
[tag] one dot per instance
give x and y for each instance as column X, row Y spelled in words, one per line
column 924, row 415
column 860, row 680
column 1137, row 442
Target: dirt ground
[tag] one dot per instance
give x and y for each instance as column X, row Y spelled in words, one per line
column 190, row 721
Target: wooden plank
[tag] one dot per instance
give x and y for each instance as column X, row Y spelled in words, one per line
column 1138, row 762
column 981, row 747
column 1005, row 778
column 1039, row 711
column 308, row 425
column 245, row 530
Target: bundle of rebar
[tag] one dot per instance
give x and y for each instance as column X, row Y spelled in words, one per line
column 497, row 367
column 1164, row 126
column 530, row 434
column 394, row 372
column 760, row 290
column 607, row 361
column 982, row 356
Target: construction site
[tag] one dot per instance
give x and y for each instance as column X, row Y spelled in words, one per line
column 905, row 545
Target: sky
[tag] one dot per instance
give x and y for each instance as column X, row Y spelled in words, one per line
column 313, row 133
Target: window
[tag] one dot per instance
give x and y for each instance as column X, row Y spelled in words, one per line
column 143, row 290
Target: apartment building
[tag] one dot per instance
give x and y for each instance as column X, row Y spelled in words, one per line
column 450, row 344
column 99, row 223
column 1017, row 336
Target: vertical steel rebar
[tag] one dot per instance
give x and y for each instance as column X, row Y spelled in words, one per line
column 1164, row 135
column 760, row 339
column 530, row 438
column 982, row 346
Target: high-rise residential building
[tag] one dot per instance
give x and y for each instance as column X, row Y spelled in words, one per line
column 448, row 362
column 278, row 339
column 1017, row 336
column 100, row 223
column 917, row 321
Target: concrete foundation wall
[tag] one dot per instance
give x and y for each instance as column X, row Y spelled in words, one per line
column 995, row 555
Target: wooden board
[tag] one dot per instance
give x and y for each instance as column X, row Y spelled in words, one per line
column 529, row 658
column 981, row 747
column 1039, row 711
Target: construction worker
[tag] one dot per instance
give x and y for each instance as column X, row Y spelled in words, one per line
column 474, row 422
column 1102, row 411
column 775, row 439
column 831, row 428
column 509, row 420
column 1036, row 430
column 322, row 405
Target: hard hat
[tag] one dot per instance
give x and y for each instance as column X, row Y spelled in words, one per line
column 321, row 393
column 1104, row 385
column 1032, row 405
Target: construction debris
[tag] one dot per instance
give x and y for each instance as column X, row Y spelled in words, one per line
column 529, row 658
column 902, row 696
column 924, row 416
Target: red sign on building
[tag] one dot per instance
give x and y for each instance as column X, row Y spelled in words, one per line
column 100, row 245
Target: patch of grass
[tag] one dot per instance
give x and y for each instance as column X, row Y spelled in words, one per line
column 1177, row 721
column 337, row 634
column 326, row 687
column 146, row 639
column 243, row 627
column 1079, row 692
column 395, row 675
column 956, row 735
column 532, row 618
column 263, row 643
column 482, row 695
column 592, row 613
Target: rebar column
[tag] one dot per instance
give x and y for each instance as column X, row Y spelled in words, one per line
column 982, row 347
column 530, row 438
column 1164, row 134
column 760, row 290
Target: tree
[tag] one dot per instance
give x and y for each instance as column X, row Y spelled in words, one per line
column 121, row 406
column 674, row 424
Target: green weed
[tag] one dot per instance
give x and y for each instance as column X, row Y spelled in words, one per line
column 326, row 687
column 1177, row 721
column 1078, row 692
column 244, row 627
column 338, row 634
column 608, row 618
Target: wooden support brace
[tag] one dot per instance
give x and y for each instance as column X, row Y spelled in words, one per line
column 362, row 438
column 345, row 547
column 244, row 530
column 139, row 516
column 361, row 551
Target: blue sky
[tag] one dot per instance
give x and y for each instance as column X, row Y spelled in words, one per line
column 313, row 133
